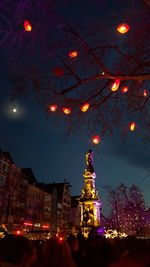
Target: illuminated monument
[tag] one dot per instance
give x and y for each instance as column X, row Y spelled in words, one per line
column 89, row 200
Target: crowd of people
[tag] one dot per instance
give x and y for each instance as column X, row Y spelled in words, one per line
column 96, row 251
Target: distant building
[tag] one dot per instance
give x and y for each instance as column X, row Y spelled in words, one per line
column 13, row 192
column 22, row 204
column 28, row 205
column 38, row 209
column 61, row 199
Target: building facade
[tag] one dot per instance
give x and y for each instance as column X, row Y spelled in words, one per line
column 61, row 204
column 22, row 204
column 13, row 192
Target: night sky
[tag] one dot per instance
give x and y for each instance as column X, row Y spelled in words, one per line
column 39, row 143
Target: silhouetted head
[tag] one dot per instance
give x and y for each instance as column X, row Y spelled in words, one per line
column 57, row 253
column 14, row 248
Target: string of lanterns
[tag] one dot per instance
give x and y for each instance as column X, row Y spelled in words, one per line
column 122, row 29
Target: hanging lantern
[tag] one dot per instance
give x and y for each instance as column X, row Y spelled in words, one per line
column 144, row 92
column 53, row 108
column 27, row 26
column 124, row 89
column 59, row 72
column 85, row 107
column 132, row 126
column 66, row 110
column 123, row 28
column 96, row 139
column 73, row 53
column 115, row 85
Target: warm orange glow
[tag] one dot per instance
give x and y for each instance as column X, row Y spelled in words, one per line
column 124, row 89
column 53, row 108
column 132, row 126
column 85, row 107
column 27, row 26
column 115, row 85
column 96, row 139
column 145, row 92
column 73, row 54
column 123, row 28
column 66, row 110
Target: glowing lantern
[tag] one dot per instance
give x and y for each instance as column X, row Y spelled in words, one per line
column 73, row 53
column 96, row 139
column 53, row 108
column 85, row 107
column 27, row 26
column 144, row 93
column 66, row 110
column 132, row 126
column 58, row 71
column 115, row 85
column 61, row 238
column 124, row 89
column 123, row 28
column 18, row 232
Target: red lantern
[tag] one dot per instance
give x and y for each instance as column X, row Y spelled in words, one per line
column 53, row 108
column 17, row 232
column 123, row 28
column 66, row 110
column 96, row 139
column 132, row 126
column 85, row 107
column 124, row 89
column 144, row 92
column 115, row 85
column 27, row 26
column 58, row 71
column 73, row 54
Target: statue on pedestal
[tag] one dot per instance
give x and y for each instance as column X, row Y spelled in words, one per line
column 89, row 161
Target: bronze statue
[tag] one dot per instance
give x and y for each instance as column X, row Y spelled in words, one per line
column 89, row 161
